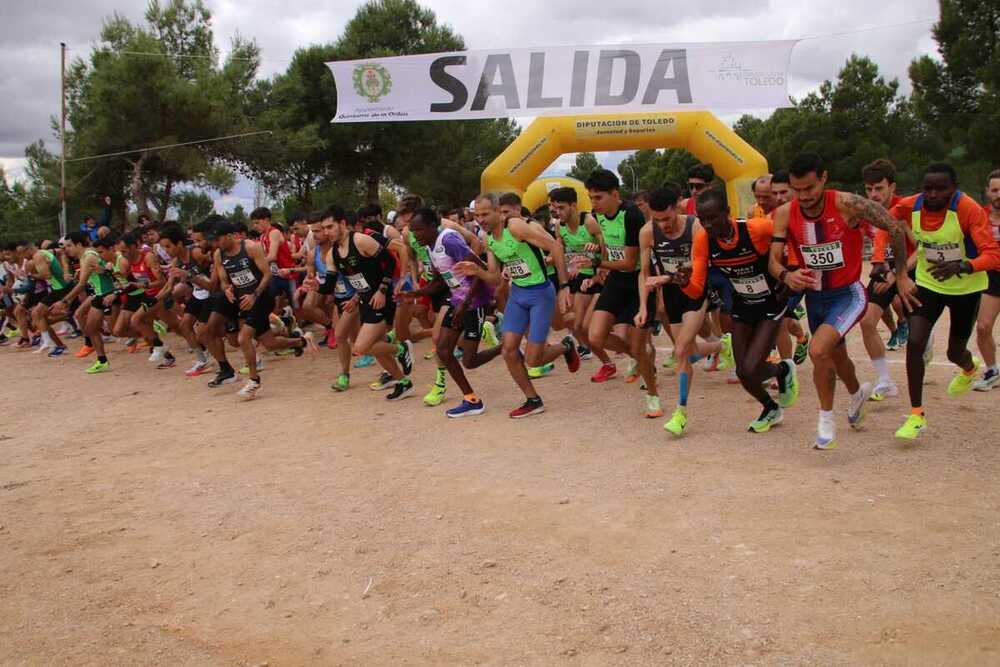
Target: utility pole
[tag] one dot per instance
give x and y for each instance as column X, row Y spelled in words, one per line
column 62, row 139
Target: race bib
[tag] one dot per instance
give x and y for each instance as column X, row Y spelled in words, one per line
column 274, row 268
column 242, row 278
column 942, row 252
column 517, row 268
column 672, row 264
column 142, row 279
column 451, row 280
column 339, row 288
column 751, row 286
column 889, row 254
column 823, row 256
column 616, row 253
column 574, row 257
column 358, row 282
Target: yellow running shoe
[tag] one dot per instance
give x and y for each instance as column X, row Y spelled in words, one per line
column 99, row 367
column 962, row 383
column 912, row 427
column 678, row 422
column 435, row 396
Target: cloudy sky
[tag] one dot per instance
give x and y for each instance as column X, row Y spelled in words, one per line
column 30, row 33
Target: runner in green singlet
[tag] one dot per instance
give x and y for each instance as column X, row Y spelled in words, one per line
column 46, row 266
column 96, row 276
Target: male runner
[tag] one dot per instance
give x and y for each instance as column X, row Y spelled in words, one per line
column 244, row 272
column 618, row 302
column 368, row 264
column 791, row 329
column 822, row 228
column 517, row 246
column 955, row 253
column 193, row 266
column 582, row 243
column 277, row 252
column 880, row 187
column 700, row 177
column 144, row 279
column 675, row 248
column 740, row 250
column 466, row 310
column 989, row 307
column 46, row 269
column 96, row 269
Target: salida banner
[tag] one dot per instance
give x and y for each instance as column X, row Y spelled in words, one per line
column 563, row 80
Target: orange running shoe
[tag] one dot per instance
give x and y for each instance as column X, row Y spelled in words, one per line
column 84, row 351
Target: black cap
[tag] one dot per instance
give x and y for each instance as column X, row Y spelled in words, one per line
column 220, row 229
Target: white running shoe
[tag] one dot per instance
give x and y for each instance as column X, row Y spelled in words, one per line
column 884, row 390
column 249, row 390
column 856, row 408
column 158, row 355
column 826, row 433
column 200, row 366
column 44, row 349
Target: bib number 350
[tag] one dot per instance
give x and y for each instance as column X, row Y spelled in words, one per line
column 823, row 256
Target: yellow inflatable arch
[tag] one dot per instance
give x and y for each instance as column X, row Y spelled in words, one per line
column 700, row 132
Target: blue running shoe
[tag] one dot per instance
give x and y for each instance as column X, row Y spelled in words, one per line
column 364, row 361
column 466, row 409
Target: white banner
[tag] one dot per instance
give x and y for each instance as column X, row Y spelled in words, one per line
column 563, row 80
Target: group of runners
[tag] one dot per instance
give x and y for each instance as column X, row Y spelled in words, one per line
column 728, row 290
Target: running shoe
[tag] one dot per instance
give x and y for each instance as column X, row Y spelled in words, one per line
column 825, row 434
column 99, row 367
column 959, row 385
column 199, row 368
column 732, row 378
column 727, row 360
column 222, row 377
column 4, row 340
column 584, row 352
column 364, row 361
column 884, row 390
column 402, row 389
column 84, row 351
column 903, row 333
column 536, row 372
column 160, row 328
column 405, row 357
column 331, row 339
column 532, row 406
column 790, row 394
column 466, row 409
column 245, row 370
column 159, row 354
column 912, row 427
column 799, row 312
column 989, row 380
column 768, row 417
column 653, row 408
column 435, row 396
column 801, row 351
column 44, row 349
column 76, row 333
column 428, row 355
column 288, row 351
column 168, row 362
column 310, row 345
column 36, row 340
column 632, row 371
column 58, row 351
column 571, row 356
column 856, row 407
column 249, row 390
column 132, row 345
column 23, row 344
column 490, row 334
column 343, row 382
column 391, row 336
column 383, row 382
column 678, row 422
column 711, row 363
column 671, row 361
column 604, row 373
column 893, row 343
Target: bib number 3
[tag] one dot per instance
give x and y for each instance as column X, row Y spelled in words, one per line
column 942, row 252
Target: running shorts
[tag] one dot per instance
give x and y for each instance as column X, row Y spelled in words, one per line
column 259, row 315
column 994, row 287
column 576, row 285
column 529, row 310
column 386, row 313
column 963, row 309
column 623, row 303
column 472, row 321
column 676, row 303
column 840, row 308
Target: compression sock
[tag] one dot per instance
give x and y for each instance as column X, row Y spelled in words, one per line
column 682, row 384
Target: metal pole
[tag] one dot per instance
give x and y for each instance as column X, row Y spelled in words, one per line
column 62, row 139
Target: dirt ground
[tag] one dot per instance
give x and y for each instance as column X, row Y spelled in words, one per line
column 149, row 520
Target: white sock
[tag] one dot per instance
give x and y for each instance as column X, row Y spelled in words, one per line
column 47, row 339
column 201, row 356
column 826, row 415
column 882, row 368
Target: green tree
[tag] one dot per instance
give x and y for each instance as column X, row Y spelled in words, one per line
column 584, row 166
column 193, row 207
column 651, row 169
column 957, row 98
column 239, row 215
column 120, row 101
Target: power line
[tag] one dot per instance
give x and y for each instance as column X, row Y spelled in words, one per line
column 158, row 148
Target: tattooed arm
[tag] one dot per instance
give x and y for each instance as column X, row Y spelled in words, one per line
column 856, row 209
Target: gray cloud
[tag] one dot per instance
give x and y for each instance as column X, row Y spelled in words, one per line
column 30, row 34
